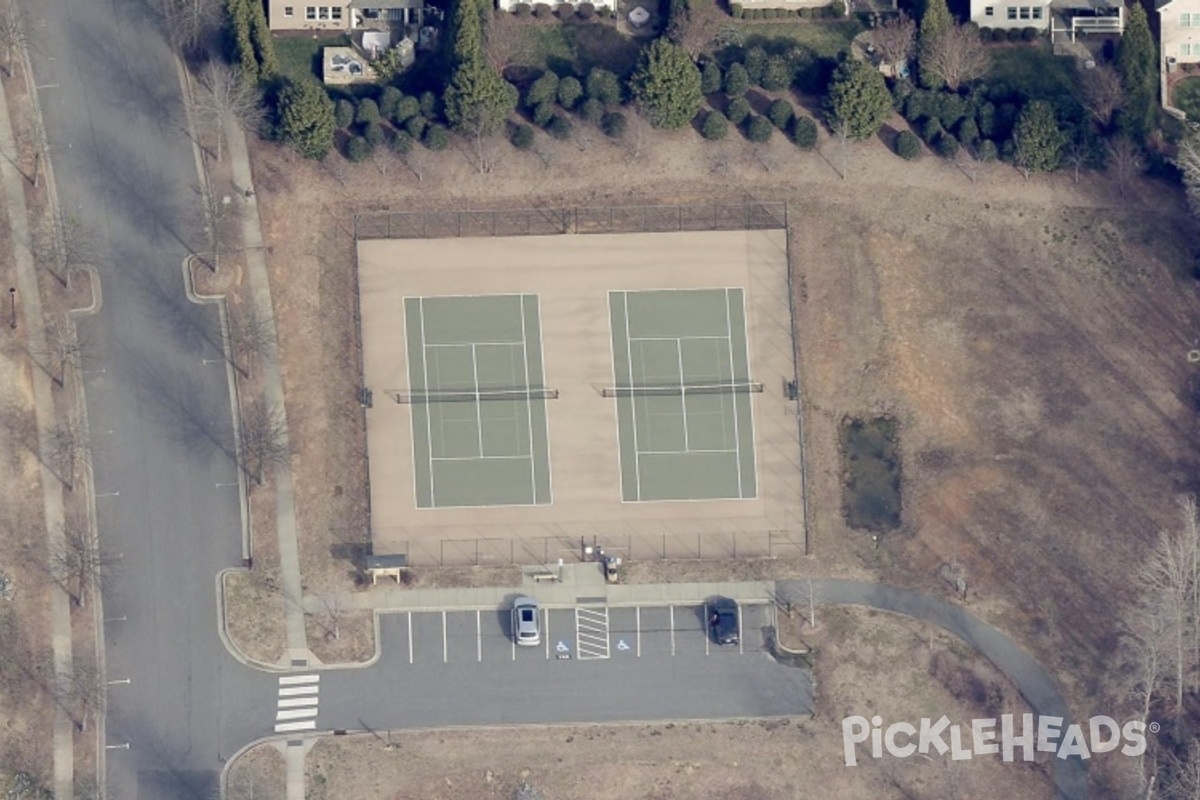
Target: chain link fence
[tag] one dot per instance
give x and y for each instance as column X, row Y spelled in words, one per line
column 547, row 550
column 575, row 219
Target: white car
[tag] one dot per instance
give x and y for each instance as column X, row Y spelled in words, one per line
column 525, row 628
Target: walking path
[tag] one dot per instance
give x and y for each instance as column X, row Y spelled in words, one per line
column 285, row 494
column 52, row 499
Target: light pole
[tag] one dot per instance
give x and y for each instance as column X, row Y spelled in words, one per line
column 12, row 304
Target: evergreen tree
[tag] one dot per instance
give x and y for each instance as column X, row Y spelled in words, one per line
column 736, row 80
column 306, row 119
column 935, row 19
column 1137, row 63
column 667, row 85
column 858, row 99
column 1037, row 141
column 710, row 77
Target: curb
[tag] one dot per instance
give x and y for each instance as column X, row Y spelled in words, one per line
column 223, row 631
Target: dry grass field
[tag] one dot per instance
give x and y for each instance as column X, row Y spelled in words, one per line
column 1029, row 336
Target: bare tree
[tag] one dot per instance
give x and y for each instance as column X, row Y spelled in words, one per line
column 81, row 693
column 14, row 33
column 812, row 598
column 251, row 337
column 1102, row 92
column 69, row 244
column 841, row 132
column 505, row 42
column 216, row 218
column 78, row 562
column 1125, row 159
column 330, row 617
column 705, row 24
column 263, row 439
column 189, row 22
column 63, row 352
column 223, row 96
column 67, row 450
column 957, row 56
column 417, row 161
column 635, row 131
column 1188, row 161
column 895, row 39
column 1075, row 155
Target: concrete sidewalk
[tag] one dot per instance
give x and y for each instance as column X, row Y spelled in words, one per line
column 581, row 583
column 13, row 183
column 285, row 494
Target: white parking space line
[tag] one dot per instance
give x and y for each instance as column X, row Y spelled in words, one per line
column 545, row 611
column 292, row 680
column 445, row 648
column 637, row 615
column 410, row 648
column 741, row 633
column 591, row 633
column 707, row 626
column 288, row 727
column 478, row 636
column 291, row 691
column 672, row 610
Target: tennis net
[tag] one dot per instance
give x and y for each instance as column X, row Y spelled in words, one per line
column 750, row 387
column 480, row 396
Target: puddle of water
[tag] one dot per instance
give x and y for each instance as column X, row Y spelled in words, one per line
column 871, row 472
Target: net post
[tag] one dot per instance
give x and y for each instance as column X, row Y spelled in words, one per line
column 477, row 552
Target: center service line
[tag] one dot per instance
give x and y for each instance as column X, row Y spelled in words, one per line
column 445, row 651
column 672, row 610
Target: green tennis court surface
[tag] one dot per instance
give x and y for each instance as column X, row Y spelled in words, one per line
column 478, row 401
column 683, row 393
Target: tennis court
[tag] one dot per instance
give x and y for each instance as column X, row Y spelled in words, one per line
column 683, row 390
column 478, row 401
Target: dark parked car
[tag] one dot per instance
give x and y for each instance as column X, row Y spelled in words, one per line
column 723, row 621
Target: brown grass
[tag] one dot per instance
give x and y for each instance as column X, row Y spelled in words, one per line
column 259, row 773
column 254, row 614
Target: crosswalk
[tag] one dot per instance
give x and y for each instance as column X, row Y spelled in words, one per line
column 591, row 632
column 297, row 706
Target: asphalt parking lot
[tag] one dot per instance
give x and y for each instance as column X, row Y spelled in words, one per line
column 583, row 633
column 594, row 664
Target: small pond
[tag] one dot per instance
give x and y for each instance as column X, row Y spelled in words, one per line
column 870, row 473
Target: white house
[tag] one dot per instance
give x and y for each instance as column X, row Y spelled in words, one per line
column 1011, row 14
column 1179, row 32
column 341, row 15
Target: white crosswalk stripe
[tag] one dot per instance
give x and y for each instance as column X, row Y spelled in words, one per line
column 297, row 703
column 591, row 633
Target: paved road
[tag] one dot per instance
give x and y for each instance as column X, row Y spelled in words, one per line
column 1070, row 775
column 159, row 416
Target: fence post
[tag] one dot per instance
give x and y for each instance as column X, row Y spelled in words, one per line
column 735, row 533
column 477, row 552
column 442, row 553
column 680, row 226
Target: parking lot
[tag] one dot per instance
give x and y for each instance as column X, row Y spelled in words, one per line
column 583, row 633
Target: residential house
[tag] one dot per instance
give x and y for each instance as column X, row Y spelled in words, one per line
column 341, row 15
column 1178, row 41
column 1057, row 17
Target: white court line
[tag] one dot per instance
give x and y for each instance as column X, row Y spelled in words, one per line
column 737, row 444
column 529, row 413
column 672, row 338
column 672, row 610
column 291, row 680
column 482, row 458
column 296, row 691
column 410, row 652
column 478, row 637
column 677, row 452
column 298, row 702
column 637, row 615
column 478, row 409
column 445, row 648
column 682, row 391
column 288, row 727
column 295, row 713
column 428, row 432
column 637, row 473
column 485, row 344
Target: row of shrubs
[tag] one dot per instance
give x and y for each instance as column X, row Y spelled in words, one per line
column 565, row 11
column 832, row 11
column 780, row 115
column 396, row 119
column 559, row 126
column 1008, row 34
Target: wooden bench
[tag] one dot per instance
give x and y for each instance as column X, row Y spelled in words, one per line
column 387, row 567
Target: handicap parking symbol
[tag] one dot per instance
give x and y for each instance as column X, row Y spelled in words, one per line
column 622, row 644
column 562, row 647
